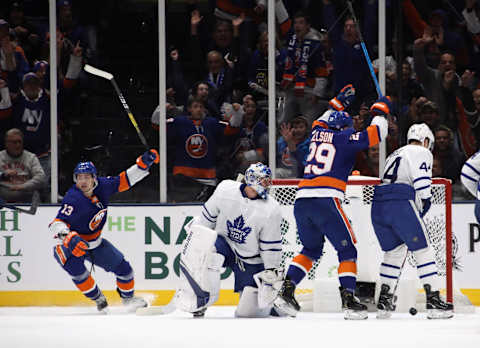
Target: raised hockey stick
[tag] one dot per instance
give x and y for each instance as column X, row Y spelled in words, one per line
column 106, row 75
column 33, row 206
column 365, row 52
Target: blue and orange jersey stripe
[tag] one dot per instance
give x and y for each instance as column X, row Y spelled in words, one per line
column 347, row 268
column 61, row 255
column 126, row 286
column 373, row 135
column 87, row 285
column 345, row 220
column 303, row 262
column 90, row 237
column 202, row 173
column 323, row 182
column 124, row 184
column 318, row 123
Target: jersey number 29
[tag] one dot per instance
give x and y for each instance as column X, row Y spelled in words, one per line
column 324, row 155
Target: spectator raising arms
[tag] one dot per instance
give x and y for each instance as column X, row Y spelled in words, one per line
column 196, row 137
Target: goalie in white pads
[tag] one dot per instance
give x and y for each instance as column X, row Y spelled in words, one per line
column 399, row 204
column 471, row 180
column 239, row 228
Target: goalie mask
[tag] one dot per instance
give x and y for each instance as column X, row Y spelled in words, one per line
column 420, row 132
column 259, row 177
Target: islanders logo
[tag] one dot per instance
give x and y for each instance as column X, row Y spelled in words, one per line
column 196, row 146
column 287, row 158
column 237, row 231
column 97, row 219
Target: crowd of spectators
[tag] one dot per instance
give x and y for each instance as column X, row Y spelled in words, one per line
column 217, row 82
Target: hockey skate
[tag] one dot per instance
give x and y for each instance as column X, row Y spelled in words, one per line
column 436, row 308
column 285, row 302
column 102, row 303
column 133, row 302
column 385, row 305
column 200, row 313
column 353, row 309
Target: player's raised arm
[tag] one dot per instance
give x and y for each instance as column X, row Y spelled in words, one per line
column 138, row 171
column 378, row 129
column 79, row 223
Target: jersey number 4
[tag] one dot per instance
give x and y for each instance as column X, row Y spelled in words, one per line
column 322, row 155
column 391, row 172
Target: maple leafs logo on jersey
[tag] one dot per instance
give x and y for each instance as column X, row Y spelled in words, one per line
column 237, row 231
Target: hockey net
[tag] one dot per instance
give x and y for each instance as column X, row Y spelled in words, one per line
column 357, row 205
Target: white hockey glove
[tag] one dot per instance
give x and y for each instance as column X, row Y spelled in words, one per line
column 269, row 283
column 59, row 229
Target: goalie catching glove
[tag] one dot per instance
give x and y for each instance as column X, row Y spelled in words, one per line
column 269, row 283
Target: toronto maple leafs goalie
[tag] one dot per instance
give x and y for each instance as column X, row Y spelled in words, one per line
column 239, row 228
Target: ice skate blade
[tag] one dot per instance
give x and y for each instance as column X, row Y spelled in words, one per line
column 382, row 314
column 103, row 311
column 439, row 314
column 283, row 307
column 355, row 315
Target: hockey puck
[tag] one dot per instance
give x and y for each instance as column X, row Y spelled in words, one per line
column 413, row 311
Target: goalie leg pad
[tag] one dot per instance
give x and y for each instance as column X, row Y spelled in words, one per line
column 390, row 268
column 199, row 290
column 193, row 291
column 197, row 247
column 248, row 305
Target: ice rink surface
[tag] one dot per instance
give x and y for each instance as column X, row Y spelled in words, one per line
column 72, row 327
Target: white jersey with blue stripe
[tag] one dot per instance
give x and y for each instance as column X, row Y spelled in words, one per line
column 251, row 227
column 410, row 165
column 471, row 175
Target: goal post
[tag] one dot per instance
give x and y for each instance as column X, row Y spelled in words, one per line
column 357, row 206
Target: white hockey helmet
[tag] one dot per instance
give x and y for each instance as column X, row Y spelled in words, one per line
column 420, row 132
column 258, row 176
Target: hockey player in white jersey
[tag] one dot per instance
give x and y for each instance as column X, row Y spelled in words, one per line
column 399, row 204
column 471, row 179
column 239, row 228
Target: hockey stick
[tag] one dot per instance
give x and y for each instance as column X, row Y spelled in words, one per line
column 157, row 310
column 33, row 205
column 106, row 75
column 394, row 297
column 365, row 52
